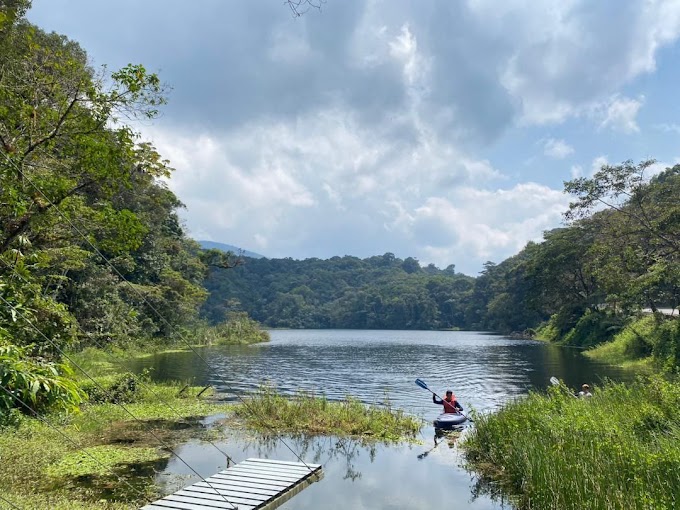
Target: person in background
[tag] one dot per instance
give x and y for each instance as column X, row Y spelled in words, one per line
column 585, row 392
column 451, row 405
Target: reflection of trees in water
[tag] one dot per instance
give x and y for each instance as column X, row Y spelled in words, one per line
column 320, row 449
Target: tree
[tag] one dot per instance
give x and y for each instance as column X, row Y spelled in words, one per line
column 82, row 204
column 638, row 245
column 626, row 189
column 300, row 7
column 56, row 136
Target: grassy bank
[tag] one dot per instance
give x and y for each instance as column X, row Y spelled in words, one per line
column 100, row 458
column 307, row 413
column 648, row 342
column 618, row 449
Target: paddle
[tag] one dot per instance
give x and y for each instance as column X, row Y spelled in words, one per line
column 556, row 382
column 423, row 385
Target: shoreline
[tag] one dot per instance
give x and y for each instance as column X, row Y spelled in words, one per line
column 110, row 459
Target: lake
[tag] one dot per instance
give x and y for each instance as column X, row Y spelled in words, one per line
column 482, row 369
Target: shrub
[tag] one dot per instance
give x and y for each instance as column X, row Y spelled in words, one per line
column 239, row 328
column 593, row 328
column 119, row 389
column 653, row 337
column 41, row 385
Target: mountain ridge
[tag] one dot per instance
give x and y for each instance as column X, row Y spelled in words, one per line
column 208, row 245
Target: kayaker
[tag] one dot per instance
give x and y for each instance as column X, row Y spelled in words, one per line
column 585, row 392
column 451, row 405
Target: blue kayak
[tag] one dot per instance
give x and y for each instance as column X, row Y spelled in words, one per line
column 449, row 420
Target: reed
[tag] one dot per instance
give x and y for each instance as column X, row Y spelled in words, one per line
column 306, row 412
column 619, row 449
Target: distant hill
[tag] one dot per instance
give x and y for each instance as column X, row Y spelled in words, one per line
column 228, row 247
column 380, row 292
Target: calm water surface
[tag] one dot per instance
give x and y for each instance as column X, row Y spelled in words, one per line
column 483, row 370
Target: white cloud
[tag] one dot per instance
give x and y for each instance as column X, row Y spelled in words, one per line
column 620, row 114
column 576, row 171
column 668, row 128
column 597, row 164
column 558, row 149
column 369, row 127
column 569, row 56
column 405, row 49
column 321, row 186
column 482, row 224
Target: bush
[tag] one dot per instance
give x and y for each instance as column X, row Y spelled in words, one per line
column 239, row 328
column 41, row 385
column 666, row 343
column 119, row 389
column 653, row 337
column 593, row 328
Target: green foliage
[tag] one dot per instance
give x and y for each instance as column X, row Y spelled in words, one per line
column 40, row 385
column 118, row 389
column 237, row 329
column 593, row 328
column 549, row 330
column 78, row 184
column 618, row 449
column 654, row 336
column 342, row 292
column 39, row 469
column 306, row 412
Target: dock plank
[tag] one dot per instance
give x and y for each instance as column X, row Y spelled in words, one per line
column 227, row 485
column 254, row 484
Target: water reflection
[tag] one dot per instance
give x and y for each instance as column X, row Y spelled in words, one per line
column 484, row 370
column 356, row 474
column 317, row 450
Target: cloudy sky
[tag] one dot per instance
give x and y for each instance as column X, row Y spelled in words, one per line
column 437, row 129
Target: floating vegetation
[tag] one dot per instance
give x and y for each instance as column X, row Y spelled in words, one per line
column 308, row 413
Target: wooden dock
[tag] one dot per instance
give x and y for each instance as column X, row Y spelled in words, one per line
column 254, row 484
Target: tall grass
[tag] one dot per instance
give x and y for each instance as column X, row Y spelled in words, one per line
column 306, row 412
column 619, row 449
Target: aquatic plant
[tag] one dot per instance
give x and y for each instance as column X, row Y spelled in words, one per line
column 618, row 449
column 306, row 412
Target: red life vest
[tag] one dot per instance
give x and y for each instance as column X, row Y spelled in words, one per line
column 449, row 405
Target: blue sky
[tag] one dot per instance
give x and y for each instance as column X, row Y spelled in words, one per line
column 439, row 130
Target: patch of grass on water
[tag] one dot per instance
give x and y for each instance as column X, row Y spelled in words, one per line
column 618, row 449
column 305, row 412
column 102, row 460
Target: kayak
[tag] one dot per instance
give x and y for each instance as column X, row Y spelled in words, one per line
column 449, row 420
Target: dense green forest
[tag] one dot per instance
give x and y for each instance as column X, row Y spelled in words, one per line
column 342, row 292
column 617, row 255
column 91, row 248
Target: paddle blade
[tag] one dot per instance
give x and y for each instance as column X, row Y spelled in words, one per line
column 422, row 384
column 554, row 381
